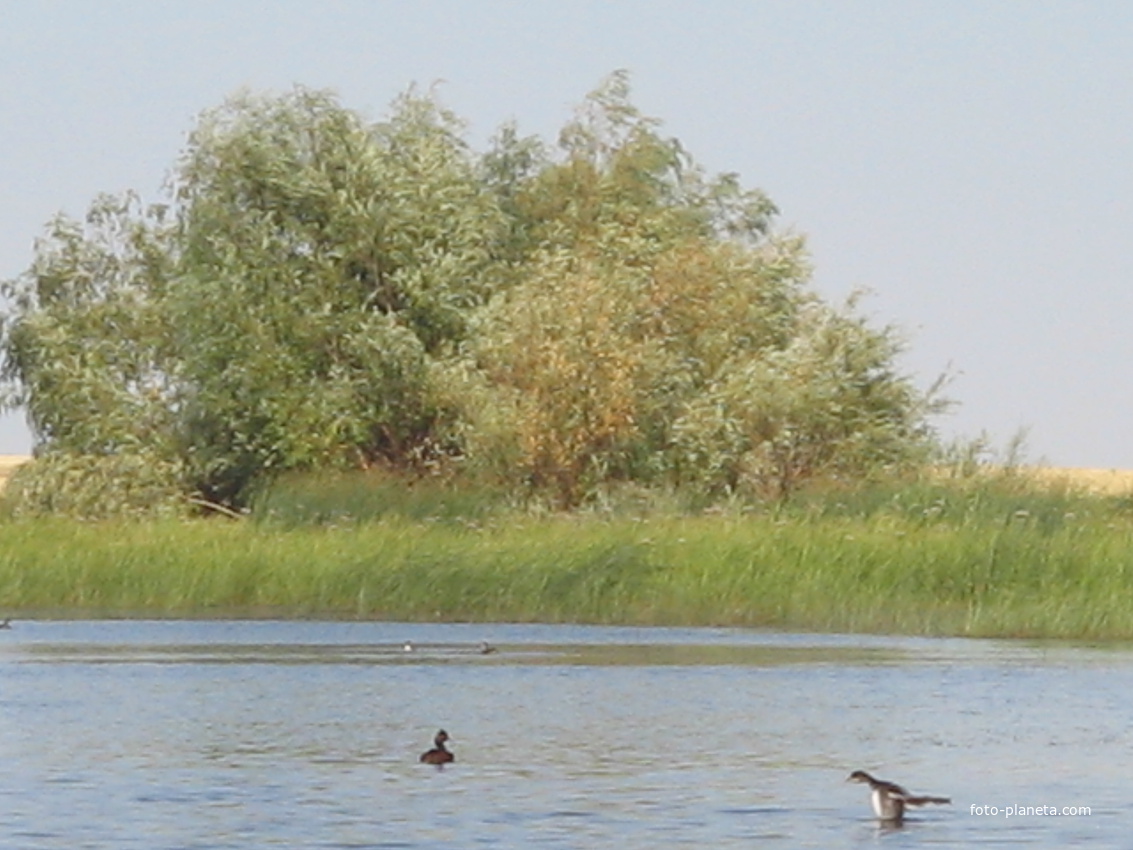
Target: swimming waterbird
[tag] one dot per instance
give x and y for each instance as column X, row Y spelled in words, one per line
column 438, row 755
column 890, row 799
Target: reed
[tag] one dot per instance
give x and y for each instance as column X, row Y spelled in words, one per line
column 918, row 561
column 347, row 498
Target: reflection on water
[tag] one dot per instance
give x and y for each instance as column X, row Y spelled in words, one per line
column 239, row 734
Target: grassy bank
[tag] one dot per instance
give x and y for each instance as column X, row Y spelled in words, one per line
column 986, row 561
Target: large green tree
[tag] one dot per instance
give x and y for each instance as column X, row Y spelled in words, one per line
column 324, row 263
column 320, row 291
column 281, row 312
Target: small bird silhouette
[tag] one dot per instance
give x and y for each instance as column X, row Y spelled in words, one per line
column 438, row 755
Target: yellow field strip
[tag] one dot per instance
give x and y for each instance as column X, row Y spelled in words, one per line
column 9, row 463
column 1110, row 482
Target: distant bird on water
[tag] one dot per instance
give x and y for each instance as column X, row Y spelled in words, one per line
column 438, row 755
column 6, row 623
column 486, row 648
column 890, row 799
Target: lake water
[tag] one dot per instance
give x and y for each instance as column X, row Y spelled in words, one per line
column 302, row 734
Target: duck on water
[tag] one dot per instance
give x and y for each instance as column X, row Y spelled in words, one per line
column 438, row 755
column 889, row 799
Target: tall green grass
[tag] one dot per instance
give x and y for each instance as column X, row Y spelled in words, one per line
column 942, row 560
column 335, row 498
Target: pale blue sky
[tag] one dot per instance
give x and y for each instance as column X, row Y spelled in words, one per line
column 970, row 163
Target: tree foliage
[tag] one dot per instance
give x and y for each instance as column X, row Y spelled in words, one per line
column 86, row 343
column 324, row 291
column 325, row 262
column 661, row 332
